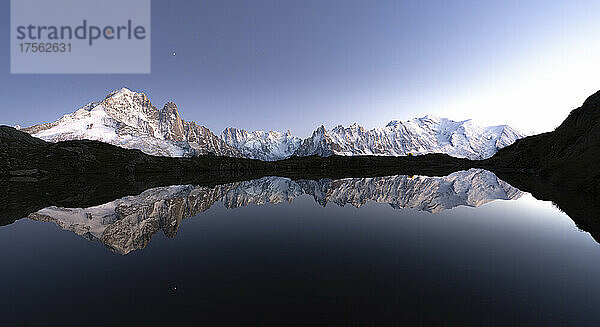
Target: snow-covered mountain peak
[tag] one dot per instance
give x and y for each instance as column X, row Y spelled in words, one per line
column 275, row 134
column 170, row 108
column 321, row 130
column 128, row 119
column 353, row 131
column 432, row 118
column 431, row 121
column 121, row 92
column 353, row 128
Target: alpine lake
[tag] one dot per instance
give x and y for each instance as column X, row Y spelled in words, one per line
column 457, row 250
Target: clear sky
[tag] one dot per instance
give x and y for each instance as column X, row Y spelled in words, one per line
column 280, row 64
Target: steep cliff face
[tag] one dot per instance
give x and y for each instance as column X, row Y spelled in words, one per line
column 128, row 119
column 171, row 124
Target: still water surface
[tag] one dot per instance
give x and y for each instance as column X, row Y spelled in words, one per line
column 465, row 249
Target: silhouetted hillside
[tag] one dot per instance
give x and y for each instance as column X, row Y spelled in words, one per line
column 568, row 157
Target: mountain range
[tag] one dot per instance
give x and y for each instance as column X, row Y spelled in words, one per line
column 128, row 119
column 429, row 134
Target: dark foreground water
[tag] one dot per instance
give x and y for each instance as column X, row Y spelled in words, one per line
column 466, row 249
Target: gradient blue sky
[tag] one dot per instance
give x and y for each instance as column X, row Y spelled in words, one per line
column 278, row 65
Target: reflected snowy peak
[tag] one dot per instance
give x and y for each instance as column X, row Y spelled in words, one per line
column 127, row 224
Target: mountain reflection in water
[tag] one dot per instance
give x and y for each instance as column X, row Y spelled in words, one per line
column 127, row 224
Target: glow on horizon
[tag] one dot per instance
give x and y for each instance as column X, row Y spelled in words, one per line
column 536, row 94
column 532, row 90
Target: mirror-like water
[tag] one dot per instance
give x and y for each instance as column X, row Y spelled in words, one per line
column 464, row 249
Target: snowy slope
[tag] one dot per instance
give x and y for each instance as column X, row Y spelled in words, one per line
column 428, row 134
